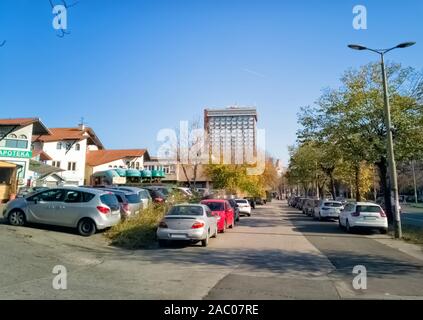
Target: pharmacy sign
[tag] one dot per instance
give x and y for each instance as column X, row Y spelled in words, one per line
column 15, row 153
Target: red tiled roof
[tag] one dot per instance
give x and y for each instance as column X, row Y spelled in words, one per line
column 43, row 155
column 98, row 157
column 60, row 134
column 38, row 128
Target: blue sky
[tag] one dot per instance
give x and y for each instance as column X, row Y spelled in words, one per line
column 131, row 68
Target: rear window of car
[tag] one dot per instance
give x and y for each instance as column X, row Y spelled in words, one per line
column 109, row 200
column 186, row 211
column 164, row 191
column 133, row 197
column 368, row 209
column 332, row 204
column 242, row 201
column 144, row 194
column 216, row 206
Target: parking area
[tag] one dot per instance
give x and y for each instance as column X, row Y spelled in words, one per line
column 276, row 254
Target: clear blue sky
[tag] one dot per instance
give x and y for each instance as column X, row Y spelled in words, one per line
column 133, row 67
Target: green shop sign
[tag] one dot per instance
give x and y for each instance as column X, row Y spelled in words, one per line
column 15, row 153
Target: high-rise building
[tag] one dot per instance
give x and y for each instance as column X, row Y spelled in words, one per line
column 231, row 134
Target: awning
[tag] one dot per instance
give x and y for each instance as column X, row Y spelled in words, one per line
column 4, row 164
column 42, row 169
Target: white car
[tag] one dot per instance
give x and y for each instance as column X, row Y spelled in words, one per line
column 244, row 207
column 363, row 215
column 327, row 209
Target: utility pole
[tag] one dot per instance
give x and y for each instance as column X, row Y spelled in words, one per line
column 389, row 133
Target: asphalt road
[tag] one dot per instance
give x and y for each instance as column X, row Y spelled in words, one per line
column 276, row 254
column 412, row 216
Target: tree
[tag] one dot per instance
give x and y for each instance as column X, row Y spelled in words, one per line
column 351, row 118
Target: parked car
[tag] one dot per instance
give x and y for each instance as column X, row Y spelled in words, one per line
column 130, row 203
column 156, row 195
column 293, row 201
column 186, row 191
column 234, row 206
column 300, row 203
column 223, row 209
column 309, row 206
column 192, row 222
column 328, row 209
column 244, row 207
column 25, row 191
column 143, row 195
column 363, row 215
column 87, row 210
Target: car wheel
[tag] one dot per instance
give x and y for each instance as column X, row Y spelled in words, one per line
column 17, row 218
column 86, row 227
column 348, row 227
column 162, row 243
column 232, row 224
column 320, row 217
column 205, row 242
column 340, row 224
column 383, row 231
column 215, row 233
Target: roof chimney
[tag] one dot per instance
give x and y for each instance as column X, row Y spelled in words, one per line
column 82, row 125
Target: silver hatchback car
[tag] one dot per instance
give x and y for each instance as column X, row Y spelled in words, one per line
column 188, row 222
column 87, row 210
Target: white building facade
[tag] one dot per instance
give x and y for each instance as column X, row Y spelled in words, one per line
column 68, row 147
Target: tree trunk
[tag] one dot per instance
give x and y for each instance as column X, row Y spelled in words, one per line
column 384, row 186
column 332, row 186
column 357, row 172
column 186, row 175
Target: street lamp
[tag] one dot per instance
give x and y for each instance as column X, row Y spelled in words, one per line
column 388, row 124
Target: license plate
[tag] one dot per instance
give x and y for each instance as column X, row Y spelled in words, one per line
column 369, row 218
column 178, row 236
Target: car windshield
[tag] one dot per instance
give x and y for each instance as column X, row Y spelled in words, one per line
column 332, row 204
column 133, row 197
column 368, row 209
column 186, row 211
column 216, row 206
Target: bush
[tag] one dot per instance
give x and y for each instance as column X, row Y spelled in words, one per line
column 138, row 231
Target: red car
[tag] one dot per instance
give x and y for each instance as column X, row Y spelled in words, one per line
column 224, row 210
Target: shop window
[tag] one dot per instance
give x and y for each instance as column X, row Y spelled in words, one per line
column 17, row 144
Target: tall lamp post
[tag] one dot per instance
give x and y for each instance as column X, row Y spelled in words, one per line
column 388, row 124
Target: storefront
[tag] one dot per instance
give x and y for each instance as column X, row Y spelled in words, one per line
column 8, row 181
column 15, row 146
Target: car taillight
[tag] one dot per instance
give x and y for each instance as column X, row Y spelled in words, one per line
column 382, row 213
column 356, row 214
column 163, row 225
column 159, row 200
column 103, row 209
column 197, row 225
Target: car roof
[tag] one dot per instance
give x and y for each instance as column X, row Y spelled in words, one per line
column 190, row 205
column 76, row 188
column 214, row 200
column 366, row 204
column 121, row 191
